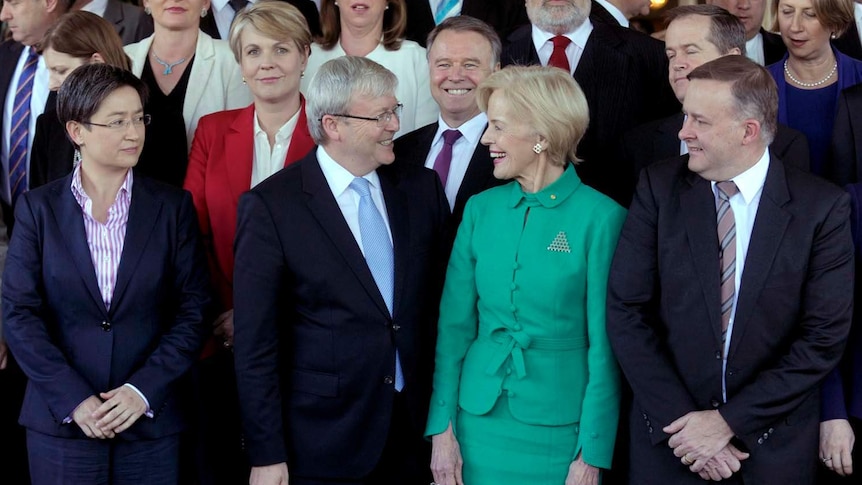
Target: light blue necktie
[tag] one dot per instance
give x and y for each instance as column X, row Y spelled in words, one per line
column 443, row 9
column 378, row 254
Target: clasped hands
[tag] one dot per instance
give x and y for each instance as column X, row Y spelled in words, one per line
column 701, row 439
column 110, row 413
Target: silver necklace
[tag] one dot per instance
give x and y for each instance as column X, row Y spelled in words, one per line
column 814, row 84
column 169, row 66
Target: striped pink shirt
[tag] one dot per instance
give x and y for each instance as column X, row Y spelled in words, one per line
column 105, row 240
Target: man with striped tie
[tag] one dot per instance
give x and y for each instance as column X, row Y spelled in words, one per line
column 503, row 15
column 730, row 295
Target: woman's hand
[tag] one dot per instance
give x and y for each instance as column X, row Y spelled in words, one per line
column 223, row 327
column 836, row 445
column 582, row 474
column 446, row 461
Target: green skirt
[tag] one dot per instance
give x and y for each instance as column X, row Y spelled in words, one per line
column 499, row 450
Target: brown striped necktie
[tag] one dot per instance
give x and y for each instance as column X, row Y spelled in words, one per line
column 726, row 252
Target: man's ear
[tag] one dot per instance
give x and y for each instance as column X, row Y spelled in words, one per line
column 752, row 131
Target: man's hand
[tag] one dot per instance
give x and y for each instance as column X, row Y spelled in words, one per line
column 122, row 407
column 83, row 417
column 724, row 464
column 697, row 437
column 269, row 475
column 223, row 327
column 836, row 446
column 582, row 474
column 446, row 461
column 4, row 355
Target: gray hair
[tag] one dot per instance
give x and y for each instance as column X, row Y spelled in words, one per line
column 335, row 85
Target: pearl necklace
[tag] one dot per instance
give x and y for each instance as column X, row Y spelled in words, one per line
column 814, row 84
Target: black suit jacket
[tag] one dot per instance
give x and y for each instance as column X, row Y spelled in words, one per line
column 413, row 149
column 598, row 13
column 53, row 153
column 623, row 74
column 503, row 15
column 773, row 47
column 792, row 318
column 306, row 7
column 849, row 43
column 844, row 164
column 314, row 342
column 130, row 21
column 658, row 140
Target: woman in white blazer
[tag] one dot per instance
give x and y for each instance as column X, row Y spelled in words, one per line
column 189, row 75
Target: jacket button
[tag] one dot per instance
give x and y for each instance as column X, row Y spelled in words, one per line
column 771, row 430
column 718, row 354
column 388, row 380
column 396, row 327
column 106, row 326
column 441, row 402
column 649, row 429
column 511, row 393
column 715, row 403
column 759, row 441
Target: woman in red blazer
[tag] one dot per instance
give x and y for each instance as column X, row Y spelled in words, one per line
column 233, row 151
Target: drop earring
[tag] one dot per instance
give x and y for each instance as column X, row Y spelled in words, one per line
column 148, row 11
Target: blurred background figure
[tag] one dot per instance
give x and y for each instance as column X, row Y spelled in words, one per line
column 105, row 295
column 812, row 74
column 375, row 29
column 217, row 21
column 503, row 16
column 188, row 75
column 233, row 151
column 129, row 20
column 526, row 389
column 761, row 46
column 76, row 39
column 618, row 12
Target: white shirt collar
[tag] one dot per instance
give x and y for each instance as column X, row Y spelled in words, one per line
column 613, row 10
column 751, row 181
column 754, row 49
column 217, row 5
column 471, row 130
column 338, row 177
column 286, row 130
column 579, row 36
column 97, row 7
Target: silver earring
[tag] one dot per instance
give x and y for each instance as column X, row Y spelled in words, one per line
column 243, row 80
column 386, row 7
column 833, row 36
column 203, row 12
column 336, row 4
column 302, row 74
column 148, row 11
column 537, row 148
column 76, row 160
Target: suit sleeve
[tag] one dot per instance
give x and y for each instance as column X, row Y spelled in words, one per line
column 181, row 342
column 824, row 322
column 39, row 155
column 633, row 321
column 259, row 281
column 25, row 315
column 601, row 405
column 841, row 164
column 458, row 325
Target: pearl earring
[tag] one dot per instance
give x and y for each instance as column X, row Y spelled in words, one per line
column 537, row 148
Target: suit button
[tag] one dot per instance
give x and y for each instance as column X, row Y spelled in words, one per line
column 649, row 428
column 759, row 441
column 645, row 416
column 718, row 354
column 441, row 402
column 513, row 309
column 766, row 436
column 106, row 326
column 771, row 430
column 396, row 327
column 515, row 266
column 388, row 380
column 513, row 286
column 511, row 393
column 508, row 372
column 714, row 403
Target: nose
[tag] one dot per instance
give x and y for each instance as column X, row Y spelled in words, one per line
column 486, row 137
column 686, row 133
column 54, row 82
column 679, row 63
column 4, row 12
column 796, row 23
column 743, row 4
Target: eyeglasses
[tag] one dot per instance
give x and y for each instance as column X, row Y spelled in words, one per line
column 382, row 119
column 142, row 120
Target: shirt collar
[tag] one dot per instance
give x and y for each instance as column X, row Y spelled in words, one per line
column 471, row 130
column 218, row 5
column 579, row 36
column 283, row 133
column 97, row 7
column 338, row 177
column 81, row 195
column 751, row 181
column 615, row 12
column 552, row 195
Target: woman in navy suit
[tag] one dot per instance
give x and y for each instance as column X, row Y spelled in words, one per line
column 105, row 294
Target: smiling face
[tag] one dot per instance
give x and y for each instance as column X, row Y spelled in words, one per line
column 360, row 145
column 458, row 62
column 509, row 140
column 750, row 12
column 362, row 14
column 271, row 68
column 106, row 148
column 60, row 65
column 177, row 14
column 801, row 30
column 687, row 47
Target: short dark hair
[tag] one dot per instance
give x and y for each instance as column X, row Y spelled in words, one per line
column 87, row 87
column 466, row 23
column 726, row 31
column 752, row 87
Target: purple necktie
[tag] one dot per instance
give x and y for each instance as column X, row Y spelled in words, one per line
column 444, row 159
column 20, row 130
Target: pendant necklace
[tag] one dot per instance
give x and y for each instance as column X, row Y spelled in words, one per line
column 169, row 66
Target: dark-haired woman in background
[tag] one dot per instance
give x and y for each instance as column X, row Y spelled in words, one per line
column 76, row 39
column 104, row 298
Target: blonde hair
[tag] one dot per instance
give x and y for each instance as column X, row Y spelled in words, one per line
column 274, row 19
column 550, row 102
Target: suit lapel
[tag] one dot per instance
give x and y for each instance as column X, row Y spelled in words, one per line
column 143, row 214
column 69, row 218
column 300, row 142
column 396, row 210
column 239, row 152
column 200, row 75
column 697, row 203
column 769, row 227
column 324, row 208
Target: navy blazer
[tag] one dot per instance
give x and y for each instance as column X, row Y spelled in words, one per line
column 314, row 342
column 69, row 345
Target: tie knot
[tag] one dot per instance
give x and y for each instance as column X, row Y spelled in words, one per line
column 451, row 136
column 727, row 189
column 360, row 186
column 237, row 5
column 561, row 41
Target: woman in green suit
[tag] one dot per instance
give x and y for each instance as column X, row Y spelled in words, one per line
column 526, row 388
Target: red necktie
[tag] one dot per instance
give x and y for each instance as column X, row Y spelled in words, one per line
column 558, row 57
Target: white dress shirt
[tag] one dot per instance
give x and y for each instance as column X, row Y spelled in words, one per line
column 744, row 205
column 545, row 47
column 613, row 10
column 270, row 159
column 339, row 179
column 754, row 49
column 462, row 152
column 38, row 99
column 97, row 7
column 223, row 14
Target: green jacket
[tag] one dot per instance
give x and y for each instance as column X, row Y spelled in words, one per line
column 523, row 312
